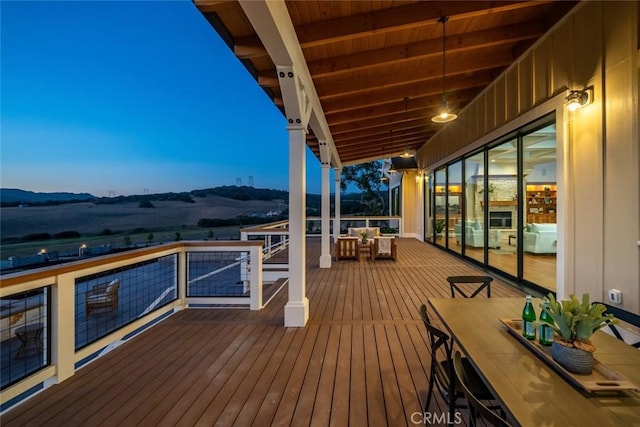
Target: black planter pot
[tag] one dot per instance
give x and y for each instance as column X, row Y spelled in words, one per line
column 573, row 359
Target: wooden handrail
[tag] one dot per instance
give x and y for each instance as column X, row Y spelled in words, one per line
column 31, row 275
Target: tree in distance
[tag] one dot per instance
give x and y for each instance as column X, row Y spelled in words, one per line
column 366, row 176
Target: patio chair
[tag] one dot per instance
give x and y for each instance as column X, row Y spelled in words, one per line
column 628, row 318
column 347, row 248
column 104, row 295
column 383, row 248
column 475, row 405
column 441, row 371
column 458, row 282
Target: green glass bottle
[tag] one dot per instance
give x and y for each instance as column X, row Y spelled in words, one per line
column 528, row 318
column 545, row 333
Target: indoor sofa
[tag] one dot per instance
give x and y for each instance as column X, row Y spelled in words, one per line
column 540, row 238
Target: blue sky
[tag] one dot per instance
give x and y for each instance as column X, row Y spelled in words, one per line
column 123, row 96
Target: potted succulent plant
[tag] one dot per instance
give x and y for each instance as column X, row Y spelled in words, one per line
column 574, row 323
column 364, row 236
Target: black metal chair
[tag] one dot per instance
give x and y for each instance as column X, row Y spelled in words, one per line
column 475, row 405
column 456, row 281
column 624, row 316
column 441, row 371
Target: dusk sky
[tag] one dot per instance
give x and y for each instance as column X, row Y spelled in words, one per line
column 125, row 97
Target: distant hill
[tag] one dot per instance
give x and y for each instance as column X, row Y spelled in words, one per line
column 11, row 197
column 15, row 195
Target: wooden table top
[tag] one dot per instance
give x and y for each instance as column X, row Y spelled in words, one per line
column 531, row 391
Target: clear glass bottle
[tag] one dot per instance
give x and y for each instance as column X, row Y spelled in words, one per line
column 545, row 333
column 528, row 319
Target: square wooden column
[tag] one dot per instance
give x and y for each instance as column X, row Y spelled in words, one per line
column 325, row 255
column 336, row 203
column 296, row 311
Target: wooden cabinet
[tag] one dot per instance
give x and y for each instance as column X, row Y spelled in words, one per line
column 541, row 203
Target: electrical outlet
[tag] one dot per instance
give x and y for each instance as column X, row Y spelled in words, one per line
column 615, row 296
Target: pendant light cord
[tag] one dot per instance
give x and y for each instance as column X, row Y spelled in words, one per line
column 443, row 20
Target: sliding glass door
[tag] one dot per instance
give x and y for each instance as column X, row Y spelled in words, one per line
column 540, row 240
column 454, row 206
column 498, row 206
column 440, row 205
column 472, row 231
column 502, row 209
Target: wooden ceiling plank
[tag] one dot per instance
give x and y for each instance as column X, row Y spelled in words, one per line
column 330, row 67
column 399, row 18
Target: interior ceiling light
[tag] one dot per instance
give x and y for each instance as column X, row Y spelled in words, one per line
column 577, row 99
column 444, row 115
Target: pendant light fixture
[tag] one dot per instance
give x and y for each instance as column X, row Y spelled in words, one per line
column 407, row 153
column 444, row 115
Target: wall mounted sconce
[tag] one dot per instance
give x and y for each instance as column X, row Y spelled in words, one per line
column 579, row 98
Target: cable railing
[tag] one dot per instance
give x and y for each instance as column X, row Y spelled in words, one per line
column 56, row 319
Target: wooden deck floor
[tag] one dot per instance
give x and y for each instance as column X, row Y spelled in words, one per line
column 362, row 360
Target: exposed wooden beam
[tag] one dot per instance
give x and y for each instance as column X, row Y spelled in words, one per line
column 469, row 62
column 399, row 18
column 211, row 5
column 268, row 81
column 414, row 90
column 384, row 150
column 385, row 129
column 387, row 137
column 369, row 125
column 425, row 49
column 249, row 51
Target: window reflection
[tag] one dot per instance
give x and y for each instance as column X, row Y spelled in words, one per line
column 440, row 205
column 474, row 211
column 454, row 205
column 540, row 238
column 503, row 206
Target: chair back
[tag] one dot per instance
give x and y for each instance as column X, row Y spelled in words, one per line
column 479, row 282
column 627, row 317
column 487, row 414
column 439, row 341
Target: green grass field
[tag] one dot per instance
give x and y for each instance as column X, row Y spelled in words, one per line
column 123, row 220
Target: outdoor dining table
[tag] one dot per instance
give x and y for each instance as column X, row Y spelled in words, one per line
column 532, row 393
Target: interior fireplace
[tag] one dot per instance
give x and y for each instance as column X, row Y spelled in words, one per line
column 500, row 219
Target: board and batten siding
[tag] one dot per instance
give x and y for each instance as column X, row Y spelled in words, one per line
column 595, row 45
